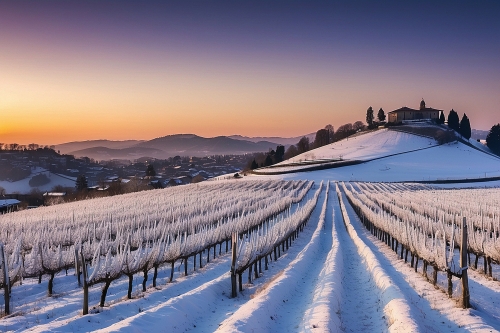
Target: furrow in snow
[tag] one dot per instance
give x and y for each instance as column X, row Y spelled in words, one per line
column 279, row 308
column 395, row 305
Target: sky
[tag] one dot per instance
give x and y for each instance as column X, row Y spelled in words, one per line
column 72, row 71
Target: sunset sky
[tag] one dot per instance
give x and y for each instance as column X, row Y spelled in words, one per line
column 138, row 70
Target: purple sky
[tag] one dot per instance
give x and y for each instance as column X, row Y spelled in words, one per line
column 127, row 70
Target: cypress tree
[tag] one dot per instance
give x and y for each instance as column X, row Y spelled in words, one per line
column 453, row 120
column 442, row 118
column 493, row 139
column 465, row 129
column 369, row 116
column 381, row 115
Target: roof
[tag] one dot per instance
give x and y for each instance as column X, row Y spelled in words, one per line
column 9, row 202
column 404, row 108
column 430, row 109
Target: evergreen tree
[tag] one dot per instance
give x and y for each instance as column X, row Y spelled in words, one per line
column 465, row 129
column 369, row 116
column 150, row 171
column 493, row 139
column 441, row 118
column 268, row 161
column 453, row 120
column 278, row 155
column 381, row 115
column 81, row 183
column 254, row 165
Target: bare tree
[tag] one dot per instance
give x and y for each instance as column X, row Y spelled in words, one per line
column 359, row 125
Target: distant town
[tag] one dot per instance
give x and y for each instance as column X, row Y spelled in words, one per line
column 43, row 176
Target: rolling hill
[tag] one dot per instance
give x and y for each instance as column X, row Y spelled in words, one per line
column 169, row 146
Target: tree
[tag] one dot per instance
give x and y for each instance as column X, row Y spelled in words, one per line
column 150, row 171
column 322, row 138
column 465, row 129
column 81, row 183
column 381, row 115
column 493, row 139
column 369, row 116
column 330, row 130
column 358, row 126
column 254, row 165
column 291, row 152
column 303, row 145
column 441, row 118
column 453, row 120
column 268, row 161
column 278, row 155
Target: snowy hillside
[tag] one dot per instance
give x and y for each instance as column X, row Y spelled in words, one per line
column 23, row 187
column 367, row 146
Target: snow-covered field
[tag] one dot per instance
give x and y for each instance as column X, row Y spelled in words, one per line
column 22, row 186
column 335, row 276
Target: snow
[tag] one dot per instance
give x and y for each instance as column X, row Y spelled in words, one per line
column 367, row 146
column 333, row 278
column 23, row 187
column 446, row 162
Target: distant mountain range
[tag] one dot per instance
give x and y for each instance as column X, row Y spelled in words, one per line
column 185, row 145
column 167, row 146
column 281, row 141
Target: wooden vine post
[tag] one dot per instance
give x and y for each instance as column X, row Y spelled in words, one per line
column 85, row 287
column 77, row 265
column 6, row 287
column 463, row 266
column 234, row 241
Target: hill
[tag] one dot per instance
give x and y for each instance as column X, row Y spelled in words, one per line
column 169, row 146
column 70, row 147
column 389, row 155
column 276, row 139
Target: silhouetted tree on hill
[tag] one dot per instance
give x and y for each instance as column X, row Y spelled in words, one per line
column 369, row 116
column 493, row 139
column 291, row 152
column 441, row 118
column 330, row 130
column 453, row 120
column 465, row 129
column 322, row 138
column 303, row 145
column 278, row 155
column 268, row 161
column 381, row 115
column 358, row 125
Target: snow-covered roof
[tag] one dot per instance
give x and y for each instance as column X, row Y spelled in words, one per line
column 9, row 202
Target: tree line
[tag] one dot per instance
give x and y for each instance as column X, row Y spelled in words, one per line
column 18, row 147
column 324, row 136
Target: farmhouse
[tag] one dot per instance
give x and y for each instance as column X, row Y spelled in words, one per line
column 406, row 113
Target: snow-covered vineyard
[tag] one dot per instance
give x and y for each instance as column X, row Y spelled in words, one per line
column 304, row 260
column 319, row 251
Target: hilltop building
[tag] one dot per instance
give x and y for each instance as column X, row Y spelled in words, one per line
column 406, row 113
